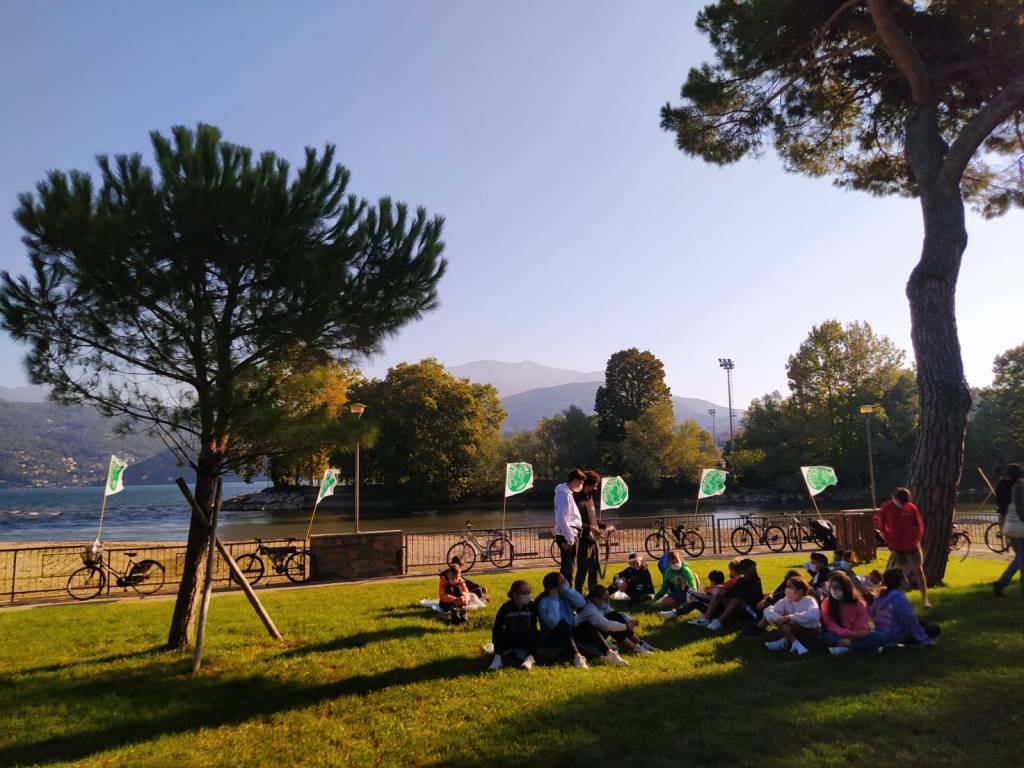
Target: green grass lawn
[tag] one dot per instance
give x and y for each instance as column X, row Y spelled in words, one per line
column 365, row 677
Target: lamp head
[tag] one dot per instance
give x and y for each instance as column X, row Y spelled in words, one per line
column 867, row 409
column 357, row 408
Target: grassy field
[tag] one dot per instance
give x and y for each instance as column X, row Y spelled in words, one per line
column 367, row 678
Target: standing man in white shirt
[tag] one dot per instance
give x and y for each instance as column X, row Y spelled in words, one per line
column 568, row 522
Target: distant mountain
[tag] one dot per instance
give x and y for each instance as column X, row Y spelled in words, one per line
column 29, row 394
column 513, row 378
column 526, row 408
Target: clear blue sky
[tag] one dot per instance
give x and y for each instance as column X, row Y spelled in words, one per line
column 574, row 228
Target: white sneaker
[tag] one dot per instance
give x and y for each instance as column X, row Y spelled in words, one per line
column 799, row 648
column 777, row 645
column 838, row 650
column 667, row 614
column 714, row 625
column 613, row 658
column 700, row 621
column 641, row 649
column 496, row 664
column 527, row 663
column 648, row 647
column 580, row 663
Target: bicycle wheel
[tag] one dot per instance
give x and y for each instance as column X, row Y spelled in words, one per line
column 604, row 551
column 146, row 577
column 959, row 540
column 794, row 537
column 87, row 582
column 556, row 553
column 775, row 538
column 500, row 552
column 692, row 543
column 742, row 540
column 656, row 544
column 252, row 569
column 466, row 552
column 299, row 566
column 994, row 538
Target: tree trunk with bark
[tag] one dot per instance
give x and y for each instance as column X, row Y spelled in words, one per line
column 937, row 461
column 208, row 469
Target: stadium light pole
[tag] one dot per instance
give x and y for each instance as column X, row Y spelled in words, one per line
column 714, row 435
column 867, row 410
column 728, row 365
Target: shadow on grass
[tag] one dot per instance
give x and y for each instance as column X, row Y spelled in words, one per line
column 362, row 639
column 154, row 650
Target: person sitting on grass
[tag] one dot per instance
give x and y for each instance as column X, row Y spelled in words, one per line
column 718, row 594
column 556, row 610
column 771, row 599
column 697, row 601
column 474, row 588
column 894, row 617
column 610, row 623
column 844, row 615
column 635, row 580
column 817, row 566
column 740, row 600
column 676, row 581
column 514, row 634
column 797, row 617
column 453, row 593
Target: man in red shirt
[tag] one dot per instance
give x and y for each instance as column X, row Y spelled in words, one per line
column 903, row 528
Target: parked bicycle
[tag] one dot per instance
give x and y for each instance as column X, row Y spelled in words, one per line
column 144, row 576
column 995, row 540
column 290, row 560
column 818, row 533
column 498, row 549
column 750, row 533
column 677, row 537
column 959, row 541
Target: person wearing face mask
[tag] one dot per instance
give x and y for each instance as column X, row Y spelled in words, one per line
column 514, row 634
column 844, row 616
column 556, row 610
column 597, row 618
column 568, row 522
column 902, row 528
column 676, row 581
column 635, row 580
column 817, row 566
column 587, row 559
column 797, row 617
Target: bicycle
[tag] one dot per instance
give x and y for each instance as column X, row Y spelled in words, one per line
column 958, row 539
column 294, row 562
column 144, row 576
column 664, row 539
column 798, row 534
column 498, row 550
column 995, row 540
column 748, row 533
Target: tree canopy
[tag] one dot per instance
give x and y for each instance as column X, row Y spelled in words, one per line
column 633, row 382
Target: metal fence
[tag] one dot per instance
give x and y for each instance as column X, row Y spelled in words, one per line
column 42, row 572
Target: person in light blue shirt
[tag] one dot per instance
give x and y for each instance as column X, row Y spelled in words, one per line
column 556, row 609
column 894, row 617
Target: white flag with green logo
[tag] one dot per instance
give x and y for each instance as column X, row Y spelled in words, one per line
column 327, row 485
column 115, row 476
column 518, row 478
column 819, row 478
column 712, row 483
column 614, row 492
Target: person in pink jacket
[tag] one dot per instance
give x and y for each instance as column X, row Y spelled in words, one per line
column 844, row 617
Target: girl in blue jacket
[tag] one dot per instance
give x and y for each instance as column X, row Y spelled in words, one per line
column 557, row 612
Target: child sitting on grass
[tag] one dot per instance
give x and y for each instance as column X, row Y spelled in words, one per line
column 608, row 622
column 695, row 600
column 718, row 594
column 453, row 593
column 556, row 610
column 676, row 581
column 817, row 566
column 844, row 616
column 635, row 580
column 797, row 617
column 740, row 600
column 514, row 634
column 894, row 617
column 778, row 594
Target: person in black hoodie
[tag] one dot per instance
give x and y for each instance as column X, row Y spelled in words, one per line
column 514, row 634
column 635, row 580
column 817, row 566
column 587, row 558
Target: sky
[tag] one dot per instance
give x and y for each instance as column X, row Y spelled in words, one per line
column 574, row 228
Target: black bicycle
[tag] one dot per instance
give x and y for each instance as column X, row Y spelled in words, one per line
column 817, row 534
column 995, row 540
column 144, row 576
column 290, row 560
column 677, row 537
column 750, row 533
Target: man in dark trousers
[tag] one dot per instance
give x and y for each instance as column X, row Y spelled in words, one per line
column 587, row 560
column 567, row 520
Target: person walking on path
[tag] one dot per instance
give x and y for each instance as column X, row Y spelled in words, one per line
column 568, row 522
column 587, row 560
column 1010, row 497
column 903, row 528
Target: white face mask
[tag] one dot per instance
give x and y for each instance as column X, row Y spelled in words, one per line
column 676, row 566
column 836, row 593
column 811, row 567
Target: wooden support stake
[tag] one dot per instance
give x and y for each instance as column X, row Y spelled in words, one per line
column 204, row 608
column 236, row 572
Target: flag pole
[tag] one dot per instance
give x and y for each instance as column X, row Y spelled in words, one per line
column 504, row 505
column 103, row 508
column 312, row 518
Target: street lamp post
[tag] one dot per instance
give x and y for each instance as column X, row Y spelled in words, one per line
column 357, row 409
column 727, row 365
column 714, row 434
column 867, row 410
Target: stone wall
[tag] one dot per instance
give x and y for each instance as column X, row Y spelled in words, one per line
column 351, row 556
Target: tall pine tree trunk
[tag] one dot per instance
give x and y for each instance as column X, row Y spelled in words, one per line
column 183, row 620
column 945, row 397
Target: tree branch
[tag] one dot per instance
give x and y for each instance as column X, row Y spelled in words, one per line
column 999, row 108
column 902, row 51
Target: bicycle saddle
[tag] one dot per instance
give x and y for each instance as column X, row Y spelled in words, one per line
column 130, row 554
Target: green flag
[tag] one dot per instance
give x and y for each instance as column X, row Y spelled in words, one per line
column 712, row 483
column 614, row 492
column 327, row 485
column 518, row 478
column 115, row 476
column 819, row 478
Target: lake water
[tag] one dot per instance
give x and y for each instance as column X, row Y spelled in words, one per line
column 158, row 513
